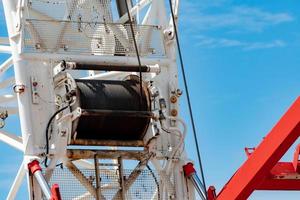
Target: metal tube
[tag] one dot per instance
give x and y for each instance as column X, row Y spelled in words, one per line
column 4, row 40
column 43, row 184
column 12, row 140
column 6, row 65
column 111, row 60
column 198, row 181
column 5, row 49
column 96, row 66
column 198, row 188
column 121, row 178
column 17, row 183
column 98, row 188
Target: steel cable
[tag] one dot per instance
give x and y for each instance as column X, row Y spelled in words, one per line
column 188, row 97
column 47, row 133
column 136, row 50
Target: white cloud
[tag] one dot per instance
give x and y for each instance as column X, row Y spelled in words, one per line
column 210, row 42
column 236, row 18
column 265, row 45
column 201, row 19
column 204, row 4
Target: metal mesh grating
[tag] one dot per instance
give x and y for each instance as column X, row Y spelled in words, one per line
column 91, row 38
column 87, row 10
column 85, row 27
column 144, row 187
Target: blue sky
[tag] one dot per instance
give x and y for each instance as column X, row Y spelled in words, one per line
column 242, row 62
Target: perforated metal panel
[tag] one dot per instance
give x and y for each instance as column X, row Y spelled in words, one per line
column 91, row 38
column 87, row 10
column 85, row 27
column 145, row 187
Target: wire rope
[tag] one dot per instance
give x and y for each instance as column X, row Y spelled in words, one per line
column 188, row 96
column 136, row 51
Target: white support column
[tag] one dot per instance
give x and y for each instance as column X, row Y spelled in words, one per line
column 17, row 183
column 21, row 76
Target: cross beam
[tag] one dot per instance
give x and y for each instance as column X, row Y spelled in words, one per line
column 254, row 173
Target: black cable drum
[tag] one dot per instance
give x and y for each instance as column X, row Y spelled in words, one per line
column 112, row 110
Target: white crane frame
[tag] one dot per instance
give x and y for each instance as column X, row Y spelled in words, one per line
column 34, row 115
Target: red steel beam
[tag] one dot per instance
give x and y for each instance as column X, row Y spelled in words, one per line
column 258, row 166
column 280, row 184
column 283, row 170
column 282, row 177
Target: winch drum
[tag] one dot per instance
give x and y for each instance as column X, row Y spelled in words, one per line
column 112, row 110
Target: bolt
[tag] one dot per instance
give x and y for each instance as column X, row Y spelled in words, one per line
column 63, row 133
column 179, row 92
column 173, row 99
column 174, row 112
column 38, row 46
column 65, row 47
column 19, row 89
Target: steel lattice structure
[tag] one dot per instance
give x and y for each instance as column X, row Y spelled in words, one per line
column 125, row 114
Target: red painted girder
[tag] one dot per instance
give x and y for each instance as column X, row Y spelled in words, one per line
column 282, row 177
column 257, row 167
column 280, row 184
column 283, row 169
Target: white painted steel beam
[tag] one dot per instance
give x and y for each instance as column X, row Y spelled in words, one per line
column 84, row 164
column 12, row 140
column 5, row 49
column 133, row 11
column 86, row 195
column 17, row 183
column 4, row 40
column 81, row 178
column 6, row 65
column 40, row 15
